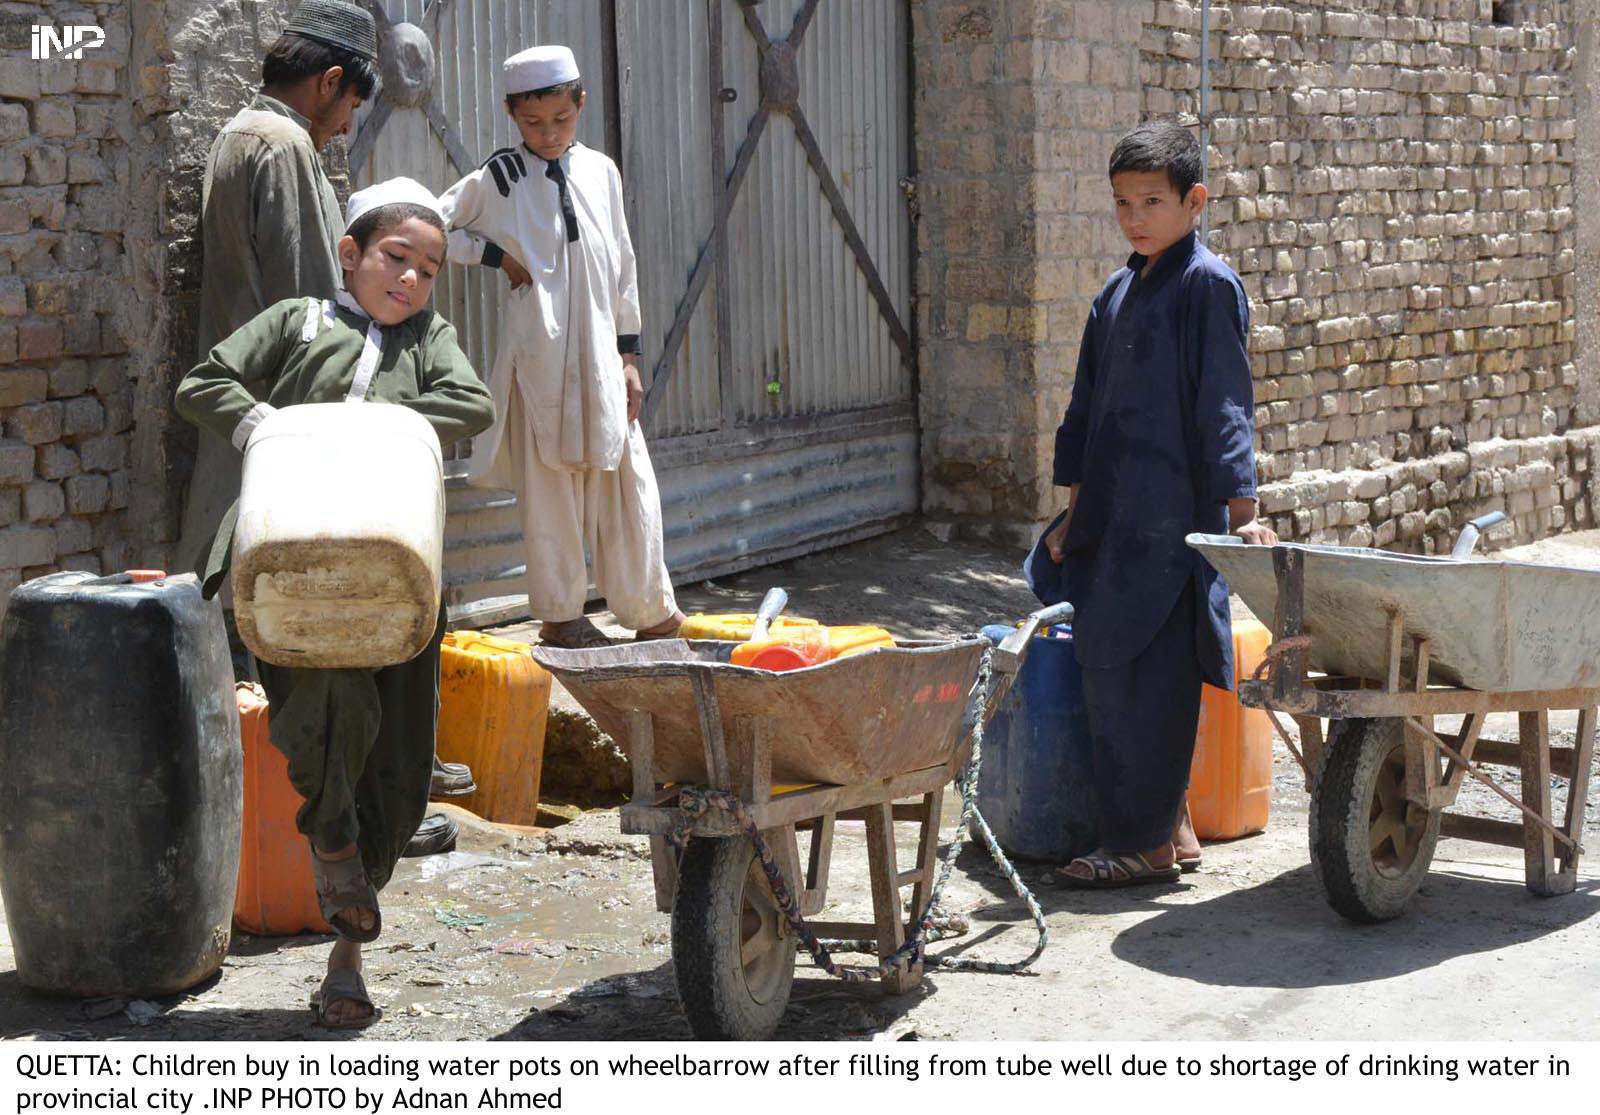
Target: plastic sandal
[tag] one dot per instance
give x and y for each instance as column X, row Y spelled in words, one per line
column 343, row 985
column 341, row 885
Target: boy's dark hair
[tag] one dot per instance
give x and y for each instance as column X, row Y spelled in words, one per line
column 1163, row 145
column 295, row 57
column 572, row 88
column 376, row 222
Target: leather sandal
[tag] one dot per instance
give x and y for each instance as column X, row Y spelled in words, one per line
column 342, row 884
column 1110, row 870
column 451, row 780
column 437, row 833
column 572, row 634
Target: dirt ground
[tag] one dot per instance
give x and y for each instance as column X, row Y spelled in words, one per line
column 555, row 935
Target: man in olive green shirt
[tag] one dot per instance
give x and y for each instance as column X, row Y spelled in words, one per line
column 270, row 219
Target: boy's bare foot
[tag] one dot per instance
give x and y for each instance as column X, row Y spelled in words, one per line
column 359, row 917
column 343, row 1002
column 1185, row 845
column 666, row 629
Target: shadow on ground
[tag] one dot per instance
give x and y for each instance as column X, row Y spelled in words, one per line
column 1282, row 933
column 1227, row 940
column 644, row 1007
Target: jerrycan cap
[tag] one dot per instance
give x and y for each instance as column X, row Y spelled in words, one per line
column 778, row 658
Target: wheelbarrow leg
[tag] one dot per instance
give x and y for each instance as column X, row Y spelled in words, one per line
column 1538, row 846
column 642, row 758
column 1577, row 798
column 886, row 914
column 927, row 851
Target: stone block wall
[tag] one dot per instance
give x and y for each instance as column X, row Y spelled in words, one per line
column 1393, row 179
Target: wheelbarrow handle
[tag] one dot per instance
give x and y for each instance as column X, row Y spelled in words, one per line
column 1013, row 649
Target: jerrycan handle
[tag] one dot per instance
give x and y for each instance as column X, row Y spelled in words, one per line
column 773, row 603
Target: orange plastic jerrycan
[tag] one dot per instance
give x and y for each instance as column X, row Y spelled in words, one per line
column 793, row 649
column 1230, row 780
column 494, row 700
column 857, row 639
column 277, row 895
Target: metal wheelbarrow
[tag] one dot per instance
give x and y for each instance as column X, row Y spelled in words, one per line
column 783, row 753
column 1379, row 645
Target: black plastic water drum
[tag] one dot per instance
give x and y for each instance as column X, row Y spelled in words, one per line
column 120, row 784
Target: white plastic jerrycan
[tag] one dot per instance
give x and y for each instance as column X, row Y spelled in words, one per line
column 340, row 535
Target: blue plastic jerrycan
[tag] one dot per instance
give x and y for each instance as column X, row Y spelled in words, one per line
column 1035, row 788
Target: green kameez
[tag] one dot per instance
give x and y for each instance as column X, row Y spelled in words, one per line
column 359, row 742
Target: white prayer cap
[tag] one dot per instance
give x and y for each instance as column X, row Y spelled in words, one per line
column 395, row 191
column 540, row 67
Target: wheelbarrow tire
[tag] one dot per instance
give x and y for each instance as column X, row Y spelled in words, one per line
column 1371, row 847
column 723, row 911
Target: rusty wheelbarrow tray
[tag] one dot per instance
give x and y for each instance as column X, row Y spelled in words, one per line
column 1379, row 646
column 846, row 740
column 849, row 721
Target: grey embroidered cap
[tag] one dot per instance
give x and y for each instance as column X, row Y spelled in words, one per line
column 336, row 23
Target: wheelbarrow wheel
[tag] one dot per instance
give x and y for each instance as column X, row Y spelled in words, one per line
column 1370, row 844
column 732, row 951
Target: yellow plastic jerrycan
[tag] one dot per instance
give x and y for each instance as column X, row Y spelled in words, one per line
column 1230, row 780
column 494, row 700
column 736, row 627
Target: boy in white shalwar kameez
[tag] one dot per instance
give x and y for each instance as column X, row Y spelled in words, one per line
column 565, row 381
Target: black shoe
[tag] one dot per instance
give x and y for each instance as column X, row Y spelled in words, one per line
column 437, row 833
column 451, row 780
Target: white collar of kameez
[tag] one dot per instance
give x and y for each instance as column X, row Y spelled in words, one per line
column 348, row 301
column 565, row 158
column 371, row 351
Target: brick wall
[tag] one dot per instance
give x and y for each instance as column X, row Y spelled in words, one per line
column 1017, row 105
column 101, row 163
column 70, row 297
column 1393, row 180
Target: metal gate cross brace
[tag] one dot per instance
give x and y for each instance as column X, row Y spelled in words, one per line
column 367, row 138
column 780, row 92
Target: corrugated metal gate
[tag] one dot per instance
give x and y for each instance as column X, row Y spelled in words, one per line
column 762, row 146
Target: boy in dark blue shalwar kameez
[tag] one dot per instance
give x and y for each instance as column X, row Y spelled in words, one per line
column 1155, row 444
